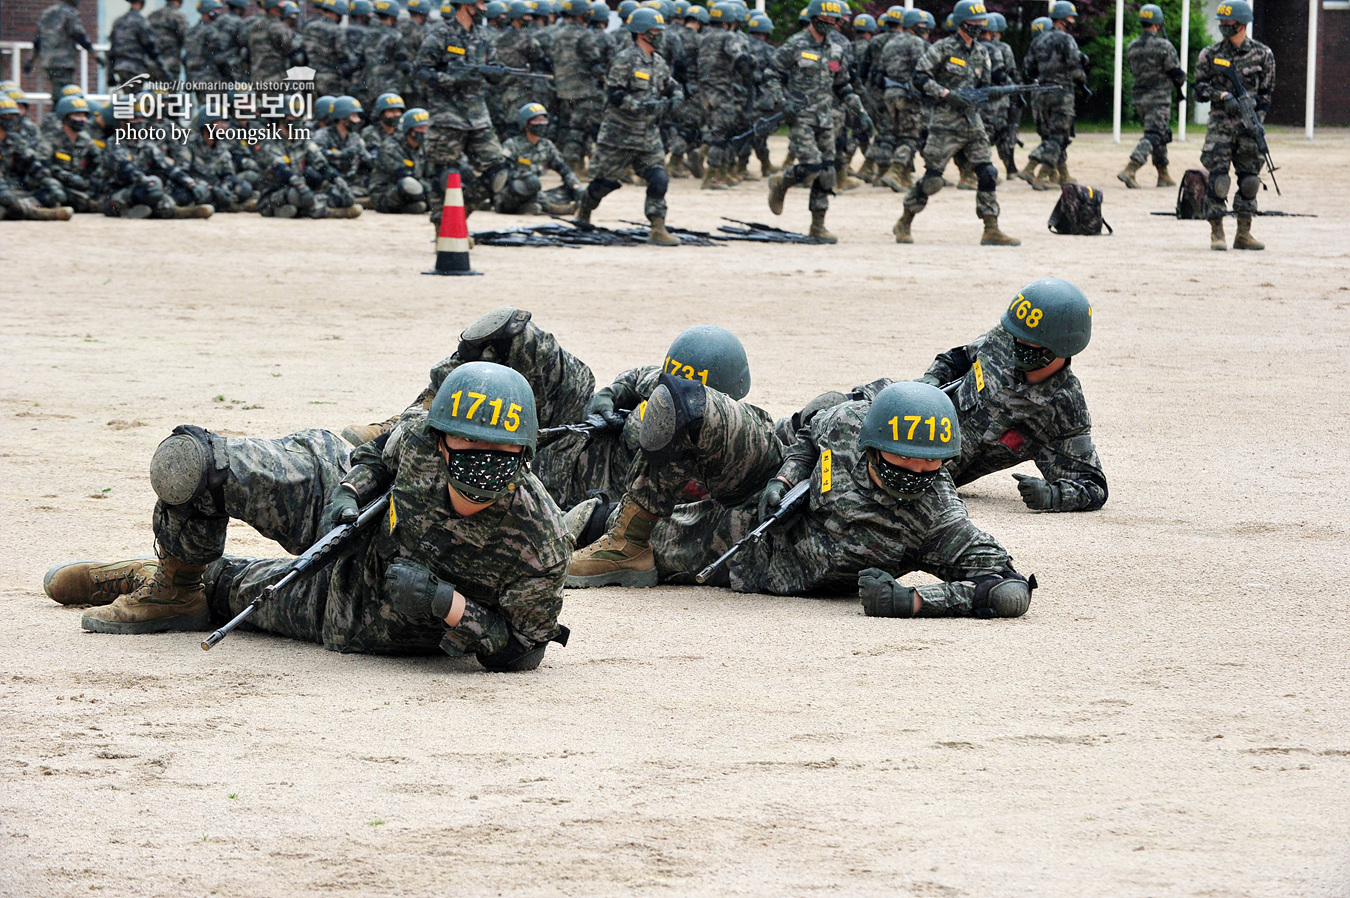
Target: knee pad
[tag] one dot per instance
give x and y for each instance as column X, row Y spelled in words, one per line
column 676, row 406
column 1008, row 596
column 524, row 186
column 988, row 177
column 188, row 463
column 657, row 181
column 932, row 182
column 824, row 182
column 497, row 329
column 149, row 192
column 1155, row 138
column 814, row 407
column 1219, row 182
column 601, row 188
column 1248, row 185
column 410, row 187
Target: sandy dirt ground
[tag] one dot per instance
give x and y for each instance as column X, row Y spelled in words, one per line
column 1171, row 717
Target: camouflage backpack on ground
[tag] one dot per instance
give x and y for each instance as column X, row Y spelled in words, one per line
column 1079, row 211
column 1191, row 201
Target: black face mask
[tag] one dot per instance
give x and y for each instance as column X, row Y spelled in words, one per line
column 901, row 483
column 1031, row 358
column 483, row 474
column 75, row 124
column 972, row 30
column 822, row 26
column 1229, row 31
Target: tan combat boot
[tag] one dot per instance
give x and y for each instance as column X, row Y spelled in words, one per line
column 843, row 180
column 901, row 229
column 993, row 236
column 205, row 210
column 744, row 173
column 778, row 188
column 818, row 230
column 1043, row 178
column 173, row 599
column 1127, row 175
column 968, row 180
column 659, row 236
column 622, row 557
column 867, row 172
column 694, row 159
column 1217, row 241
column 713, row 179
column 352, row 211
column 97, row 582
column 1062, row 175
column 677, row 168
column 585, row 206
column 58, row 213
column 1244, row 239
column 897, row 177
column 1164, row 179
column 767, row 168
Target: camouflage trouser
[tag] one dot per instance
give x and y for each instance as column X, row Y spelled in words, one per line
column 392, row 200
column 442, row 151
column 145, row 194
column 905, row 119
column 330, row 84
column 308, row 203
column 724, row 116
column 995, row 116
column 811, row 140
column 583, row 123
column 736, row 453
column 610, row 163
column 58, row 77
column 697, row 533
column 1226, row 145
column 1054, row 124
column 970, row 148
column 883, row 144
column 1157, row 134
column 563, row 386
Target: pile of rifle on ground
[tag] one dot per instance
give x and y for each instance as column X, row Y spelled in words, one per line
column 563, row 232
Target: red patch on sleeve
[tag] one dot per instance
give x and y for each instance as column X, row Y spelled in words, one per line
column 834, row 65
column 1013, row 440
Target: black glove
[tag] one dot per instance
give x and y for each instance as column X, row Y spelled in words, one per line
column 958, row 100
column 1037, row 494
column 602, row 404
column 201, row 192
column 342, row 508
column 413, row 590
column 882, row 596
column 771, row 497
column 282, row 172
column 1232, row 105
column 28, row 66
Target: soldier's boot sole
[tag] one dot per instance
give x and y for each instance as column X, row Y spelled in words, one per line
column 285, row 210
column 352, row 211
column 56, row 213
column 1126, row 175
column 778, row 188
column 994, row 237
column 630, row 578
column 174, row 622
column 360, row 434
column 141, row 211
column 92, row 582
column 1217, row 241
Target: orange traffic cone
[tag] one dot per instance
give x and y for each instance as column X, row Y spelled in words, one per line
column 452, row 243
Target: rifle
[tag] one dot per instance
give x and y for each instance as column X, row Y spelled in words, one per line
column 1252, row 122
column 1270, row 213
column 907, row 87
column 975, row 96
column 488, row 68
column 592, row 424
column 794, row 497
column 760, row 129
column 755, row 232
column 318, row 556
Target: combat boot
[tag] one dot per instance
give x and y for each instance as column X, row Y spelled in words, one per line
column 285, row 210
column 1127, row 176
column 677, row 168
column 694, row 158
column 1164, row 179
column 901, row 229
column 1217, row 241
column 843, row 180
column 360, row 434
column 252, row 205
column 97, row 582
column 867, row 172
column 1062, row 175
column 713, row 179
column 140, row 210
column 622, row 557
column 778, row 188
column 766, row 166
column 205, row 210
column 172, row 599
column 993, row 236
column 57, row 213
column 897, row 178
column 659, row 236
column 968, row 181
column 584, row 208
column 744, row 172
column 1244, row 239
column 352, row 211
column 1044, row 178
column 818, row 230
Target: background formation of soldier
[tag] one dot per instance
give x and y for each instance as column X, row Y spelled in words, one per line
column 507, row 91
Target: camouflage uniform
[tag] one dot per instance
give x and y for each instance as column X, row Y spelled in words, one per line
column 326, row 50
column 413, row 32
column 586, row 111
column 271, row 42
column 460, row 125
column 523, row 192
column 198, row 66
column 686, row 121
column 397, row 159
column 724, row 62
column 816, row 81
column 295, row 172
column 576, row 78
column 904, row 107
column 171, row 27
column 212, row 163
column 1226, row 140
column 1152, row 60
column 132, row 47
column 629, row 136
column 850, row 525
column 508, row 560
column 59, row 32
column 1002, row 115
column 355, row 35
column 950, row 64
column 130, row 174
column 519, row 47
column 387, row 59
column 1006, row 421
column 350, row 158
column 1054, row 58
column 72, row 165
column 230, row 45
column 768, row 97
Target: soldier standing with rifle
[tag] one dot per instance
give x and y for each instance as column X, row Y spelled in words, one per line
column 1236, row 75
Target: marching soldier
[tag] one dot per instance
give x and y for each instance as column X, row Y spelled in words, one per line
column 59, row 32
column 1054, row 58
column 1157, row 71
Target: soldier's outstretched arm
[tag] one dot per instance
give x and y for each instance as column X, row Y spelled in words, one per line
column 950, row 365
column 1073, row 476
